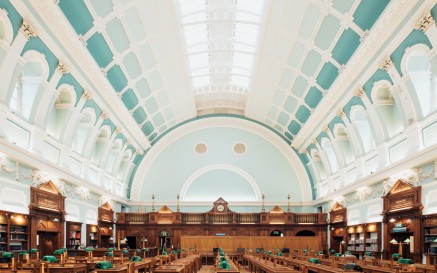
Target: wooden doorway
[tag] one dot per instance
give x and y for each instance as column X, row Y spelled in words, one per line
column 48, row 242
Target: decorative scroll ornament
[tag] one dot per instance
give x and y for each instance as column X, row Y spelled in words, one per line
column 425, row 22
column 28, row 30
column 363, row 193
column 62, row 68
column 340, row 113
column 386, row 64
column 86, row 95
column 360, row 92
column 82, row 192
column 41, row 177
column 410, row 176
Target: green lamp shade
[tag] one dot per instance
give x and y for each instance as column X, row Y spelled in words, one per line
column 347, row 252
column 269, row 252
column 135, row 259
column 258, row 250
column 147, row 249
column 396, row 255
column 103, row 265
column 125, row 251
column 314, row 260
column 7, row 255
column 338, row 254
column 224, row 265
column 368, row 253
column 50, row 259
column 138, row 250
column 23, row 252
column 33, row 250
column 58, row 252
column 64, row 249
column 352, row 267
column 111, row 249
column 332, row 251
column 405, row 261
column 280, row 254
column 109, row 254
column 319, row 252
column 173, row 252
column 305, row 250
column 89, row 249
column 164, row 253
column 221, row 259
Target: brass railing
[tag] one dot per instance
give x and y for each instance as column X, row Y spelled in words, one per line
column 221, row 218
column 305, row 218
column 193, row 217
column 137, row 217
column 245, row 218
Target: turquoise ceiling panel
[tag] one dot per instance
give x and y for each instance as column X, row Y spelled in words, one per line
column 35, row 43
column 92, row 104
column 309, row 21
column 78, row 15
column 273, row 112
column 343, row 5
column 303, row 114
column 322, row 135
column 283, row 119
column 296, row 54
column 129, row 99
column 132, row 65
column 134, row 24
column 299, row 86
column 147, row 128
column 286, row 78
column 368, row 11
column 335, row 120
column 117, row 35
column 311, row 63
column 155, row 79
column 153, row 136
column 294, row 127
column 158, row 119
column 99, row 49
column 327, row 32
column 69, row 79
column 289, row 136
column 313, row 97
column 147, row 56
column 290, row 105
column 102, row 7
column 162, row 98
column 346, row 46
column 168, row 113
column 279, row 97
column 327, row 75
column 117, row 78
column 14, row 16
column 415, row 37
column 151, row 106
column 139, row 115
column 277, row 127
column 434, row 11
column 377, row 76
column 143, row 88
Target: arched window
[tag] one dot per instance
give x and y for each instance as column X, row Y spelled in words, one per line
column 83, row 129
column 99, row 146
column 59, row 113
column 113, row 155
column 343, row 143
column 362, row 124
column 318, row 164
column 123, row 164
column 330, row 154
column 15, row 103
column 387, row 109
column 422, row 79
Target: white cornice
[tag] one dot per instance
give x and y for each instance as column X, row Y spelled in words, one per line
column 65, row 44
column 34, row 161
column 363, row 64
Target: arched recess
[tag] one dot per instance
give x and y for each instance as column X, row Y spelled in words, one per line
column 305, row 232
column 83, row 129
column 343, row 142
column 113, row 155
column 320, row 167
column 420, row 79
column 100, row 144
column 6, row 35
column 360, row 119
column 328, row 149
column 30, row 82
column 59, row 114
column 123, row 164
column 388, row 109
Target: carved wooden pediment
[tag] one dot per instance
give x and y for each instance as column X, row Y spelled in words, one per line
column 165, row 209
column 49, row 186
column 337, row 206
column 277, row 209
column 400, row 186
column 106, row 206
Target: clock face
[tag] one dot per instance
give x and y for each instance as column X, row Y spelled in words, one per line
column 220, row 208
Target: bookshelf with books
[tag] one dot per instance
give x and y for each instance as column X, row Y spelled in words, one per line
column 364, row 238
column 429, row 238
column 3, row 232
column 74, row 235
column 92, row 235
column 14, row 231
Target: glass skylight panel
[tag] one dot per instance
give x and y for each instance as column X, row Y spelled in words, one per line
column 221, row 51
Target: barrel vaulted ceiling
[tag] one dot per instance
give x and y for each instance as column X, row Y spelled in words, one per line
column 174, row 61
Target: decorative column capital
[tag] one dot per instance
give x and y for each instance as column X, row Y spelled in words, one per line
column 62, row 68
column 314, row 141
column 386, row 64
column 28, row 30
column 117, row 130
column 86, row 95
column 360, row 92
column 103, row 115
column 340, row 113
column 425, row 22
column 325, row 128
